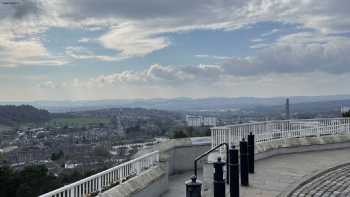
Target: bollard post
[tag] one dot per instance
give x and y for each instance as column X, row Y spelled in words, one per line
column 193, row 187
column 243, row 151
column 227, row 167
column 219, row 182
column 234, row 172
column 251, row 152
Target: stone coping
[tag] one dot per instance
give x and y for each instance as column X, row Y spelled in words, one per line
column 171, row 144
column 297, row 142
column 135, row 184
column 293, row 145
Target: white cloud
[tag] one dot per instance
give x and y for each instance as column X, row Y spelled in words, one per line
column 260, row 45
column 16, row 51
column 139, row 28
column 85, row 40
column 273, row 31
column 257, row 40
column 81, row 53
column 48, row 84
column 131, row 40
column 212, row 57
column 313, row 83
column 296, row 53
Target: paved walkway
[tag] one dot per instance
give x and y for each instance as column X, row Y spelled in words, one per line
column 335, row 182
column 276, row 174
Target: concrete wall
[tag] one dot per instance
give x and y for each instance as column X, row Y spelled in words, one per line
column 297, row 145
column 181, row 158
column 152, row 183
column 176, row 156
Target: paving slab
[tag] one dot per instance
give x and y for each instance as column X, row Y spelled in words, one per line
column 275, row 174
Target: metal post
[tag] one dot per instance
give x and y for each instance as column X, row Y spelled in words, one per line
column 227, row 167
column 219, row 182
column 193, row 187
column 243, row 150
column 251, row 152
column 234, row 172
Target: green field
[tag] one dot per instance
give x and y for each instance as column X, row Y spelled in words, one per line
column 4, row 128
column 77, row 121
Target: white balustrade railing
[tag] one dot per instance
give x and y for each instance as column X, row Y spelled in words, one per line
column 279, row 129
column 94, row 184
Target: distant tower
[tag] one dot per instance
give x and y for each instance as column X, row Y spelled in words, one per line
column 287, row 109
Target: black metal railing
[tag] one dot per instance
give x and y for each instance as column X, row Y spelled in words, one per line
column 246, row 166
column 207, row 153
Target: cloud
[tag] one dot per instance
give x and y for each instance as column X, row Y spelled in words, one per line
column 16, row 51
column 48, row 84
column 273, row 31
column 257, row 40
column 212, row 57
column 131, row 40
column 135, row 29
column 85, row 40
column 81, row 53
column 296, row 53
column 260, row 45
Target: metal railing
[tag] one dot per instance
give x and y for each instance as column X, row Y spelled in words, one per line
column 279, row 129
column 104, row 180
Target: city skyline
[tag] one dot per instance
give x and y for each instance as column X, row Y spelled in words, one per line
column 83, row 50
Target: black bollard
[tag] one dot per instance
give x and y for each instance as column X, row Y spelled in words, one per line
column 251, row 152
column 193, row 187
column 219, row 182
column 234, row 172
column 243, row 151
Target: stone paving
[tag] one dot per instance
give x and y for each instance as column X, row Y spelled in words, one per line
column 335, row 182
column 277, row 174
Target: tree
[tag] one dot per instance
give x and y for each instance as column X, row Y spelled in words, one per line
column 57, row 156
column 101, row 151
column 179, row 134
column 346, row 114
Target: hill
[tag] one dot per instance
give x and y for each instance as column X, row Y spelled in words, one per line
column 176, row 104
column 11, row 115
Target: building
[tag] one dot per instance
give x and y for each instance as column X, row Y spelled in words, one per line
column 198, row 121
column 344, row 109
column 193, row 121
column 209, row 121
column 287, row 109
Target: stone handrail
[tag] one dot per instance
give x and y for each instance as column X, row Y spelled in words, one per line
column 102, row 181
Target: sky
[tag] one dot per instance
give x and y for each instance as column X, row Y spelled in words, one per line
column 127, row 49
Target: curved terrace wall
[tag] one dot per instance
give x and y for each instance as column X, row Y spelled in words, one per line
column 177, row 156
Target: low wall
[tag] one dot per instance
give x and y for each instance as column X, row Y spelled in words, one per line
column 176, row 156
column 280, row 147
column 152, row 183
column 297, row 145
column 181, row 155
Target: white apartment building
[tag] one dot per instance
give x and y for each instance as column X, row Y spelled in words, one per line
column 344, row 109
column 209, row 121
column 198, row 121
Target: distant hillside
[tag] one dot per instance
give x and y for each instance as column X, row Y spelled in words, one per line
column 177, row 104
column 11, row 115
column 320, row 108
